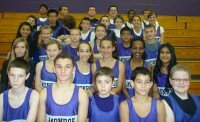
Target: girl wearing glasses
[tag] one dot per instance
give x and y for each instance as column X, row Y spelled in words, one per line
column 181, row 106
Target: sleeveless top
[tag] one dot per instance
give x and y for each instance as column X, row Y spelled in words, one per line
column 95, row 49
column 83, row 80
column 62, row 113
column 135, row 36
column 161, row 83
column 134, row 117
column 115, row 71
column 181, row 116
column 47, row 78
column 16, row 114
column 87, row 38
column 100, row 116
column 124, row 52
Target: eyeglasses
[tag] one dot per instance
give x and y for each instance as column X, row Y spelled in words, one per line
column 178, row 80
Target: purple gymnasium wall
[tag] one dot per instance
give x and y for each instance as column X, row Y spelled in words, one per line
column 163, row 7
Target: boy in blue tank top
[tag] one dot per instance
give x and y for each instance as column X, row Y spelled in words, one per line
column 180, row 105
column 19, row 103
column 63, row 101
column 103, row 106
column 124, row 50
column 141, row 107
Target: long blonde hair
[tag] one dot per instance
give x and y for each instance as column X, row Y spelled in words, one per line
column 12, row 54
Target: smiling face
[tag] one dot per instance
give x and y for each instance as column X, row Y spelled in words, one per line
column 84, row 52
column 104, row 85
column 152, row 19
column 105, row 21
column 85, row 24
column 64, row 11
column 46, row 35
column 25, row 31
column 118, row 23
column 31, row 21
column 142, row 84
column 180, row 81
column 75, row 35
column 126, row 36
column 113, row 12
column 100, row 32
column 20, row 49
column 106, row 48
column 17, row 77
column 165, row 55
column 136, row 21
column 137, row 49
column 52, row 18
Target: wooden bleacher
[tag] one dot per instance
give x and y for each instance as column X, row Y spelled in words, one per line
column 183, row 32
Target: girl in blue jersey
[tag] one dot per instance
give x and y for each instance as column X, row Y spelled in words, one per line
column 130, row 15
column 63, row 101
column 180, row 105
column 108, row 51
column 119, row 24
column 152, row 16
column 124, row 50
column 71, row 48
column 100, row 33
column 141, row 107
column 165, row 61
column 44, row 70
column 103, row 106
column 19, row 103
column 83, row 72
column 138, row 56
column 86, row 34
column 137, row 30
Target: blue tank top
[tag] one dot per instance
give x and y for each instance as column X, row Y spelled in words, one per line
column 111, row 26
column 158, row 33
column 124, row 52
column 95, row 49
column 128, row 74
column 134, row 117
column 144, row 23
column 161, row 83
column 62, row 113
column 181, row 116
column 42, row 53
column 100, row 116
column 83, row 80
column 16, row 114
column 72, row 51
column 87, row 38
column 136, row 36
column 115, row 71
column 47, row 78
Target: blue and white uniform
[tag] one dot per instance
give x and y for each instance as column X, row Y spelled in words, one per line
column 16, row 114
column 138, row 35
column 62, row 113
column 83, row 80
column 162, row 84
column 124, row 52
column 47, row 78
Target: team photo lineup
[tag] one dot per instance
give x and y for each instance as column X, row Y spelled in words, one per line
column 107, row 69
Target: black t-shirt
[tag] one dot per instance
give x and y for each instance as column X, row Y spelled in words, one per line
column 188, row 105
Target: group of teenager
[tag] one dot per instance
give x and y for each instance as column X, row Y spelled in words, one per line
column 105, row 70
